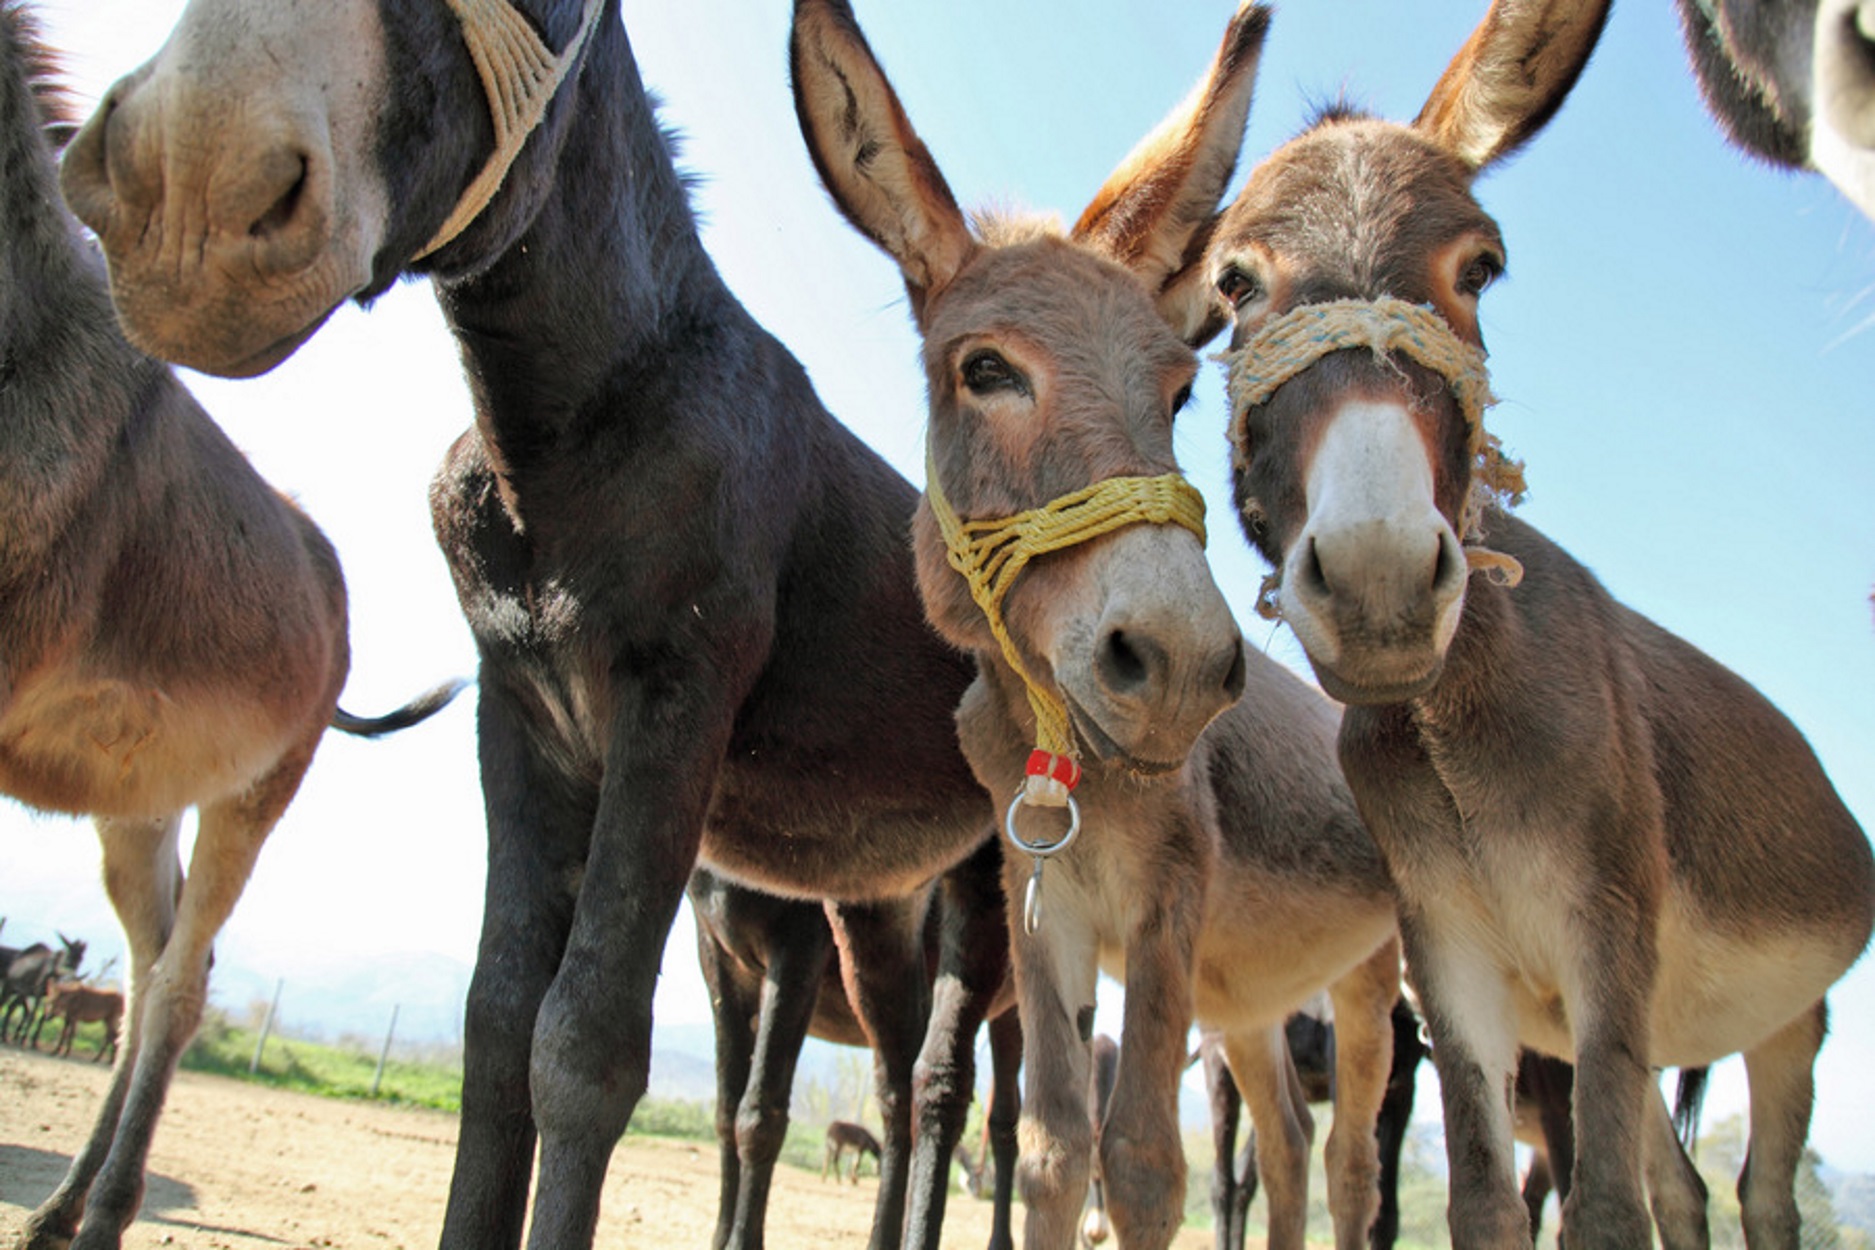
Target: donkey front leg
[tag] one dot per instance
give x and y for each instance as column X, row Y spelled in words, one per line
column 1614, row 1081
column 592, row 1041
column 1142, row 1154
column 539, row 829
column 1474, row 1049
column 882, row 962
column 1055, row 981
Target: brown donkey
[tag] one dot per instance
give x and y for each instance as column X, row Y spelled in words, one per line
column 172, row 634
column 1608, row 848
column 1224, row 869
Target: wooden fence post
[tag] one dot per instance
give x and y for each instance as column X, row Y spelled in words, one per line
column 266, row 1027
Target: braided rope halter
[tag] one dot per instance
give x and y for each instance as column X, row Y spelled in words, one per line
column 990, row 555
column 520, row 75
column 1304, row 335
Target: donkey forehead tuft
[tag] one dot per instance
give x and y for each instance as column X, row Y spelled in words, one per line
column 1010, row 225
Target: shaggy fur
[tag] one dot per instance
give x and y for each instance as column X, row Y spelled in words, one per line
column 1607, row 847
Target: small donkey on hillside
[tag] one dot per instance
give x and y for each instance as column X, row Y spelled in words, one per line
column 1224, row 869
column 1608, row 848
column 172, row 634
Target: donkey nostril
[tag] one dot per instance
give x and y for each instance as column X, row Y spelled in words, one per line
column 1314, row 576
column 1130, row 663
column 1448, row 567
column 280, row 213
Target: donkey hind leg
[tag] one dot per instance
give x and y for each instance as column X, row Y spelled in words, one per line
column 1779, row 1071
column 142, row 877
column 733, row 1008
column 1226, row 1114
column 1675, row 1191
column 973, row 962
column 229, row 835
column 999, row 1125
column 1055, row 979
column 882, row 963
column 785, row 1011
column 1363, row 1001
column 1282, row 1126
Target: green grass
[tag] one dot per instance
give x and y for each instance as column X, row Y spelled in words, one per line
column 224, row 1048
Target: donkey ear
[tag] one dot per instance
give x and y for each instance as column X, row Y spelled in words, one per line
column 1511, row 76
column 869, row 157
column 1156, row 211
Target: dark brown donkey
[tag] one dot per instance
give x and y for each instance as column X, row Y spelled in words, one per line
column 172, row 634
column 690, row 586
column 773, row 981
column 1608, row 848
column 1793, row 82
column 1227, row 874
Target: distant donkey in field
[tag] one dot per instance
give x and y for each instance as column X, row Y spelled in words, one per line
column 1607, row 847
column 172, row 634
column 26, row 976
column 77, row 1003
column 844, row 1136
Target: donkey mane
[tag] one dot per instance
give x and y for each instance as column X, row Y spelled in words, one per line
column 43, row 66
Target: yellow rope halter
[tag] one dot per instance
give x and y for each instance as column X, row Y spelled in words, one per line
column 1304, row 335
column 990, row 555
column 520, row 75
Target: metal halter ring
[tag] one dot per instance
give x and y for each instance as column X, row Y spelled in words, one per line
column 1040, row 850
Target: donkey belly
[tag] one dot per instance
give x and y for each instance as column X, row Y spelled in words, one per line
column 1263, row 954
column 115, row 748
column 1719, row 993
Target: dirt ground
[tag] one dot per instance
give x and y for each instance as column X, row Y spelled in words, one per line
column 243, row 1167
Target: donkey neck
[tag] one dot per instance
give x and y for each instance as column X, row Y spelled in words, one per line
column 607, row 273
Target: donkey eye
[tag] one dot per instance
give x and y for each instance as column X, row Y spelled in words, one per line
column 1238, row 287
column 1479, row 274
column 1181, row 399
column 985, row 372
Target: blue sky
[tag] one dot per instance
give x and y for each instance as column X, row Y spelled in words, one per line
column 1684, row 349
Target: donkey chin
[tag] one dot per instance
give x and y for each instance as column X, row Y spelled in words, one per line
column 1362, row 660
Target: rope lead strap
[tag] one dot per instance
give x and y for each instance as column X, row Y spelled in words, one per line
column 989, row 555
column 520, row 75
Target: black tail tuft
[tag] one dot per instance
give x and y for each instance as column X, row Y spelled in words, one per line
column 1687, row 1104
column 419, row 709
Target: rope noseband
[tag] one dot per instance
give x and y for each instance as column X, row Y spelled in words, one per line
column 1304, row 335
column 520, row 75
column 990, row 555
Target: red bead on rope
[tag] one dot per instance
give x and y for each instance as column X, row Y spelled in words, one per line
column 1050, row 777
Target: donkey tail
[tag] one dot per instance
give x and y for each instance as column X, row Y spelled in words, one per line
column 418, row 710
column 1687, row 1104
